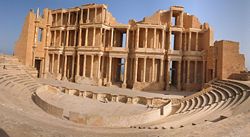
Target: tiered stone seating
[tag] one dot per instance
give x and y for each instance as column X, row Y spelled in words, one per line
column 223, row 96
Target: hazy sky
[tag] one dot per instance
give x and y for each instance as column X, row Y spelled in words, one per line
column 230, row 19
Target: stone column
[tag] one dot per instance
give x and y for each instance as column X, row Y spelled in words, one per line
column 179, row 76
column 81, row 21
column 86, row 37
column 99, row 66
column 52, row 63
column 84, row 65
column 104, row 38
column 94, row 29
column 92, row 66
column 69, row 19
column 54, row 39
column 75, row 38
column 87, row 16
column 189, row 41
column 127, row 36
column 184, row 71
column 203, row 71
column 112, row 37
column 153, row 70
column 56, row 19
column 95, row 19
column 65, row 68
column 67, row 39
column 196, row 41
column 100, row 40
column 168, row 75
column 99, row 71
column 76, row 18
column 58, row 64
column 60, row 38
column 124, row 84
column 185, row 41
column 109, row 72
column 137, row 38
column 188, row 71
column 146, row 38
column 77, row 65
column 73, row 67
column 144, row 70
column 163, row 39
column 80, row 38
column 195, row 71
column 136, row 69
column 154, row 38
column 169, row 40
column 161, row 70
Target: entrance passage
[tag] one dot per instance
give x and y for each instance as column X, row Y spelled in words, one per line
column 38, row 67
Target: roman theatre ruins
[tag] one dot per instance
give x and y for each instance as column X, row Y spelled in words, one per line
column 78, row 72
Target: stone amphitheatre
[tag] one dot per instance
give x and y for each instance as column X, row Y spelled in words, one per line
column 77, row 72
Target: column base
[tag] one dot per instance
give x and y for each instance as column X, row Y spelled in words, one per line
column 109, row 84
column 64, row 78
column 77, row 79
column 124, row 85
column 58, row 77
column 99, row 82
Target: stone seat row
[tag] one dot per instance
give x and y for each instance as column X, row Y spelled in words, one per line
column 224, row 95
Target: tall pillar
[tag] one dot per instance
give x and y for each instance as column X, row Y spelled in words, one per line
column 60, row 38
column 188, row 71
column 75, row 38
column 69, row 19
column 127, row 36
column 84, row 65
column 196, row 41
column 92, row 66
column 86, row 37
column 99, row 67
column 146, row 38
column 136, row 69
column 81, row 18
column 87, row 16
column 100, row 39
column 168, row 75
column 104, row 38
column 94, row 30
column 195, row 71
column 137, row 38
column 153, row 70
column 58, row 64
column 189, row 41
column 112, row 37
column 54, row 39
column 73, row 67
column 95, row 17
column 52, row 63
column 144, row 70
column 179, row 76
column 67, row 39
column 203, row 71
column 154, row 38
column 163, row 39
column 65, row 67
column 109, row 72
column 184, row 71
column 77, row 65
column 161, row 70
column 56, row 19
column 124, row 84
column 80, row 38
column 185, row 41
column 169, row 40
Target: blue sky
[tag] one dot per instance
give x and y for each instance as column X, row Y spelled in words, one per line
column 230, row 19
